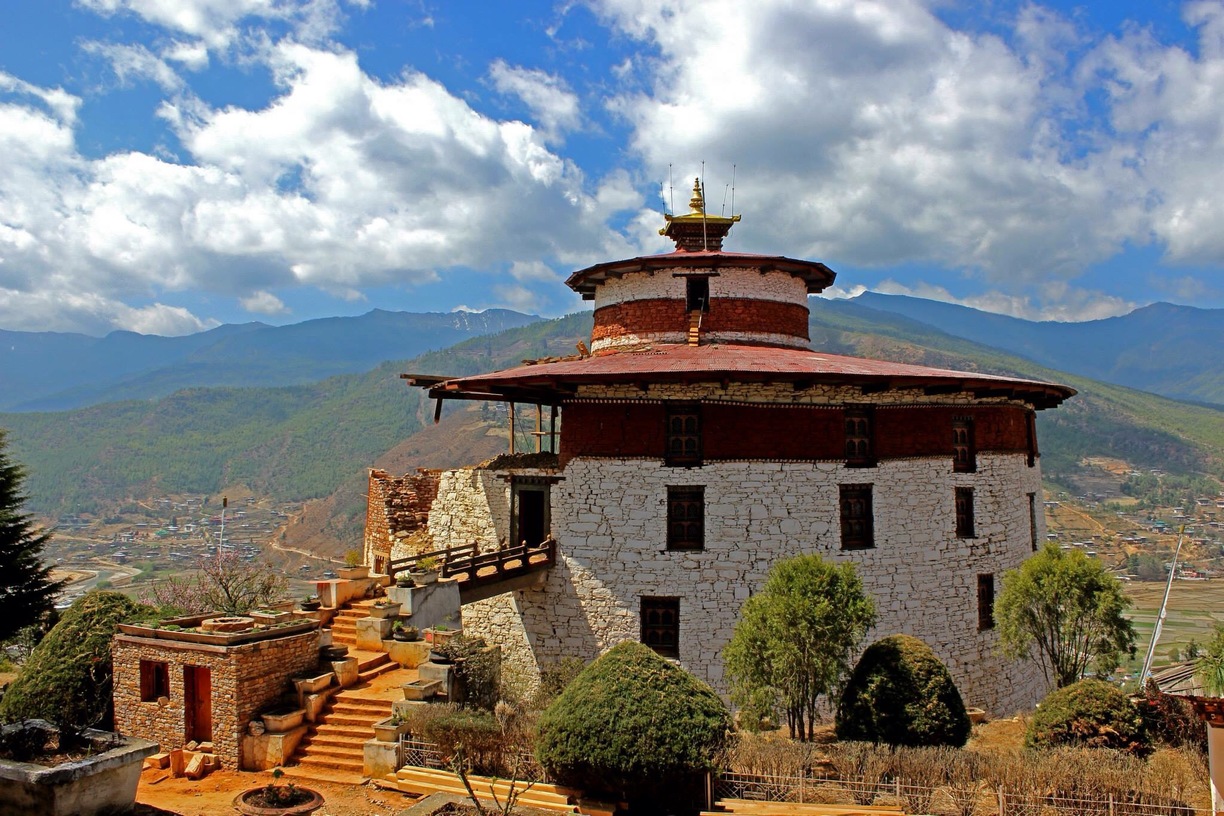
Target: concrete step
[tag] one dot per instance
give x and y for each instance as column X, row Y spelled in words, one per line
column 334, row 764
column 350, row 721
column 321, row 774
column 336, row 742
column 332, row 731
column 346, row 753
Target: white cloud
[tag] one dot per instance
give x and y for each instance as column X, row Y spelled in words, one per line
column 216, row 22
column 133, row 62
column 67, row 310
column 872, row 133
column 264, row 303
column 546, row 95
column 1054, row 300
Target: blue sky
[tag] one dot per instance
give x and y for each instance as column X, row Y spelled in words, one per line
column 169, row 165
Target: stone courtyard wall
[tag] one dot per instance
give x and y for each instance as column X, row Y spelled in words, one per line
column 395, row 509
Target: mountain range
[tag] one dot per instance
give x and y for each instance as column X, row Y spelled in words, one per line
column 313, row 440
column 52, row 371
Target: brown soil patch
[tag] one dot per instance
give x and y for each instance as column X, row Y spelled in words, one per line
column 215, row 793
column 998, row 736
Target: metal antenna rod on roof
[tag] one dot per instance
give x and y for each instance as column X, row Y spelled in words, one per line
column 733, row 189
column 705, row 240
column 726, row 187
column 671, row 191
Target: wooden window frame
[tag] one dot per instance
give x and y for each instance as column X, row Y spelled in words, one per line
column 860, row 437
column 660, row 618
column 857, row 511
column 685, row 518
column 154, row 680
column 986, row 601
column 674, row 435
column 530, row 484
column 965, row 527
column 1032, row 502
column 964, row 450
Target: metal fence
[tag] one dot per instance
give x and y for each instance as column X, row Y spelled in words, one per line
column 521, row 765
column 977, row 799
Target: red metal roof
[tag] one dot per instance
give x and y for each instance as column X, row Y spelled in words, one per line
column 684, row 363
column 816, row 275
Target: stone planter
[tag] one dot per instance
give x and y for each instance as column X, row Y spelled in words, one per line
column 243, row 805
column 269, row 616
column 313, row 685
column 386, row 610
column 100, row 784
column 353, row 573
column 424, row 578
column 421, row 689
column 439, row 637
column 388, row 730
column 278, row 722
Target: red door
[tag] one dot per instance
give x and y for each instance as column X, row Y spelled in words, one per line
column 197, row 703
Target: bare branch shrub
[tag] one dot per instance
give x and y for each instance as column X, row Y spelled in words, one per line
column 220, row 583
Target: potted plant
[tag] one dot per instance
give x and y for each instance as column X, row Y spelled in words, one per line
column 311, row 603
column 426, row 570
column 404, row 580
column 390, row 729
column 384, row 608
column 404, row 633
column 353, row 569
column 278, row 800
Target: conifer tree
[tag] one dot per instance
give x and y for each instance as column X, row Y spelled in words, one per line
column 27, row 592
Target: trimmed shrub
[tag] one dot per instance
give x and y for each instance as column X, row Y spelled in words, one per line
column 68, row 677
column 1090, row 713
column 1170, row 719
column 900, row 693
column 631, row 722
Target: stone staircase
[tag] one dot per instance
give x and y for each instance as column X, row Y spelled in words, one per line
column 333, row 748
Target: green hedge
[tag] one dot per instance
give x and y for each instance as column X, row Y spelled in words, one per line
column 1090, row 713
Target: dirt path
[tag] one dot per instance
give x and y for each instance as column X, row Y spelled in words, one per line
column 213, row 796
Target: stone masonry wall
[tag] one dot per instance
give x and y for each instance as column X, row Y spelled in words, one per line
column 396, row 508
column 245, row 680
column 737, row 282
column 609, row 517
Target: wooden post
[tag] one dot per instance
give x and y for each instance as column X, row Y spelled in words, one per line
column 512, row 428
column 1001, row 801
column 552, row 431
column 539, row 431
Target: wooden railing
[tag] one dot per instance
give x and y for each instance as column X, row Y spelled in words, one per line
column 470, row 567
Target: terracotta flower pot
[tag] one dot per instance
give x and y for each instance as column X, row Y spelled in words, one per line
column 244, row 803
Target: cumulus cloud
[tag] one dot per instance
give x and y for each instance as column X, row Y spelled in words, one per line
column 216, row 22
column 546, row 95
column 1054, row 301
column 90, row 313
column 264, row 303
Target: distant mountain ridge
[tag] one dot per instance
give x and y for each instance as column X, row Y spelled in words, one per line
column 49, row 371
column 1163, row 348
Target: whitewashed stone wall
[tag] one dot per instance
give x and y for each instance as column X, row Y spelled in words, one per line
column 472, row 505
column 609, row 517
column 728, row 283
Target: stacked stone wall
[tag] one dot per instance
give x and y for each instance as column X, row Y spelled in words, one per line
column 395, row 509
column 609, row 517
column 740, row 318
column 245, row 680
column 728, row 282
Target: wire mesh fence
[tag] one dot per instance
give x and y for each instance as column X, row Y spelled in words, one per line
column 953, row 799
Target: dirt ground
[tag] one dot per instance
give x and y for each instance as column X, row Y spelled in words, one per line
column 213, row 795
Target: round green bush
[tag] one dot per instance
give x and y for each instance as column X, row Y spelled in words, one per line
column 900, row 693
column 631, row 722
column 1089, row 713
column 68, row 678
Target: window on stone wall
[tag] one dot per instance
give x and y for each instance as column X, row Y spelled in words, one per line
column 154, row 680
column 964, row 455
column 683, row 435
column 1030, row 432
column 857, row 531
column 1032, row 499
column 859, row 438
column 661, row 625
column 697, row 293
column 964, row 512
column 985, row 599
column 685, row 518
column 530, row 509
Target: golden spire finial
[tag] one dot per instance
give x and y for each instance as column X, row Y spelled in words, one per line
column 697, row 202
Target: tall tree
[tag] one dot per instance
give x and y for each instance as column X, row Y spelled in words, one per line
column 795, row 637
column 1063, row 609
column 27, row 592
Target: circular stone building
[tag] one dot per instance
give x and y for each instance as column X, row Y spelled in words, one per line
column 702, row 440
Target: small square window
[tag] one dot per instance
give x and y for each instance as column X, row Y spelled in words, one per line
column 857, row 531
column 685, row 518
column 964, row 455
column 964, row 512
column 985, row 599
column 661, row 625
column 683, row 436
column 154, row 680
column 859, row 438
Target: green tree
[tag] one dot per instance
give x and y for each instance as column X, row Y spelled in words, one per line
column 901, row 693
column 1064, row 610
column 1210, row 664
column 27, row 592
column 793, row 642
column 633, row 724
column 68, row 677
column 1089, row 712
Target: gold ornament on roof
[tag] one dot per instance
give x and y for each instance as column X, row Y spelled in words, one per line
column 697, row 230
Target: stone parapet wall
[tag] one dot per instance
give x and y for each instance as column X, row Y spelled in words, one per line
column 395, row 509
column 763, row 322
column 245, row 680
column 609, row 517
column 729, row 282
